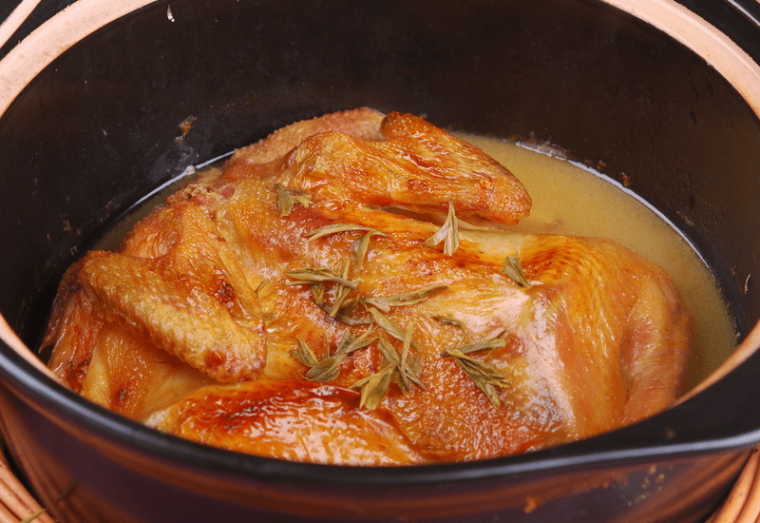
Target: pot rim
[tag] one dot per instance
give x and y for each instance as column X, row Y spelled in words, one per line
column 24, row 372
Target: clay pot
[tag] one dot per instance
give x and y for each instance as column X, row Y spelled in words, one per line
column 90, row 104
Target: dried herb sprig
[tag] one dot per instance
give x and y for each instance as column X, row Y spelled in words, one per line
column 309, row 276
column 341, row 292
column 396, row 368
column 448, row 233
column 350, row 343
column 374, row 386
column 384, row 303
column 324, row 369
column 448, row 320
column 388, row 326
column 336, row 228
column 514, row 269
column 361, row 246
column 485, row 376
column 289, row 198
column 407, row 374
column 327, row 368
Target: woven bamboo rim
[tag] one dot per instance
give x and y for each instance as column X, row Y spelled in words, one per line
column 51, row 39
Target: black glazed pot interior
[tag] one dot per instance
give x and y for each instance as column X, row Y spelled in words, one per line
column 98, row 129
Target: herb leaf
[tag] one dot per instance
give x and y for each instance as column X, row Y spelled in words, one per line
column 328, row 367
column 485, row 376
column 304, row 354
column 448, row 234
column 288, row 198
column 384, row 323
column 384, row 303
column 335, row 228
column 324, row 369
column 483, row 344
column 361, row 246
column 374, row 387
column 307, row 276
column 513, row 268
column 407, row 374
column 395, row 368
column 351, row 343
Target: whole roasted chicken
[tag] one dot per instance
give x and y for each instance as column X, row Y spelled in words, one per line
column 347, row 291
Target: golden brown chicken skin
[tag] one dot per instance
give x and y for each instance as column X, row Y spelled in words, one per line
column 318, row 299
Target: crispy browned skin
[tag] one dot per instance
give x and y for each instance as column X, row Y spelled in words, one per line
column 191, row 326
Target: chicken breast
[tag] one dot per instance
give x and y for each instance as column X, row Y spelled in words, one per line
column 318, row 299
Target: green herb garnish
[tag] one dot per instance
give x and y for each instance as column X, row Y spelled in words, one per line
column 485, row 376
column 448, row 234
column 307, row 276
column 325, row 369
column 373, row 387
column 361, row 246
column 407, row 374
column 395, row 368
column 351, row 343
column 336, row 228
column 288, row 198
column 384, row 303
column 513, row 268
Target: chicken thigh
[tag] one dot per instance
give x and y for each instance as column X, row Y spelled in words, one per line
column 318, row 299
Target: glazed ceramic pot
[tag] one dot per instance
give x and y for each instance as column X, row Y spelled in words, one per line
column 665, row 96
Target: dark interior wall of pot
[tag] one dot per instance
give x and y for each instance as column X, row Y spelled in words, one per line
column 98, row 129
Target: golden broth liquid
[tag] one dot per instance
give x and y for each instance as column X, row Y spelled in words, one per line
column 571, row 200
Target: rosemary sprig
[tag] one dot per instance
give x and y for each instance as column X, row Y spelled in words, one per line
column 288, row 198
column 386, row 324
column 336, row 228
column 304, row 354
column 395, row 368
column 308, row 276
column 374, row 386
column 384, row 303
column 361, row 246
column 318, row 293
column 485, row 376
column 407, row 374
column 325, row 369
column 448, row 234
column 341, row 293
column 350, row 343
column 513, row 268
